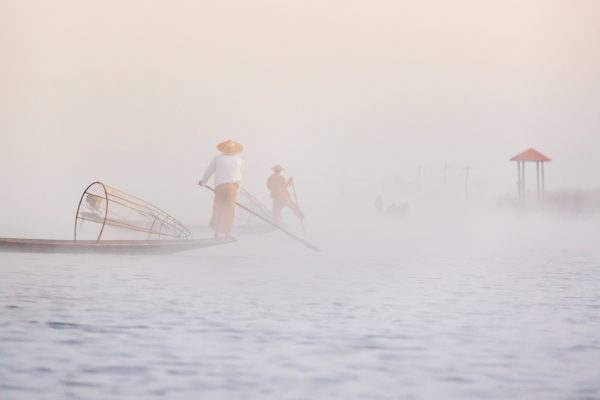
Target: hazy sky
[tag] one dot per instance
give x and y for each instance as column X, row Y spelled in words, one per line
column 343, row 93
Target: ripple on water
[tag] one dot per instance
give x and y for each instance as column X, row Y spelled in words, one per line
column 64, row 325
column 73, row 383
column 115, row 370
column 264, row 337
column 80, row 327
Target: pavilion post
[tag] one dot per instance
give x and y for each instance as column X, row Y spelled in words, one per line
column 519, row 178
column 537, row 176
column 523, row 179
column 543, row 180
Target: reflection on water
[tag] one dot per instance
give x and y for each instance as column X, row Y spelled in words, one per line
column 413, row 323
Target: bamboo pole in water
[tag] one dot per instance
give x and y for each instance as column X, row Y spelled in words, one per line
column 290, row 234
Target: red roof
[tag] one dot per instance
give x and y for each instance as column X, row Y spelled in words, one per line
column 530, row 155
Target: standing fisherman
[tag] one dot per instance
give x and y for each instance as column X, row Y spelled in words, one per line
column 227, row 168
column 278, row 186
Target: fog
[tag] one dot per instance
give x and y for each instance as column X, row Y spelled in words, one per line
column 355, row 99
column 456, row 289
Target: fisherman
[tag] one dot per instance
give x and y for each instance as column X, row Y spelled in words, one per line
column 278, row 186
column 227, row 170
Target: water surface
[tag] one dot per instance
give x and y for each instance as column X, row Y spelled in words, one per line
column 516, row 319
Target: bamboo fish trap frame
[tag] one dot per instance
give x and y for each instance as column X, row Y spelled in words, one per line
column 107, row 213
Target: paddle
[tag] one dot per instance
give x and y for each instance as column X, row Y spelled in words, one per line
column 298, row 205
column 304, row 242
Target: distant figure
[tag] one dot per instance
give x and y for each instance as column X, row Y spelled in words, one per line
column 227, row 168
column 398, row 211
column 391, row 210
column 278, row 186
column 379, row 204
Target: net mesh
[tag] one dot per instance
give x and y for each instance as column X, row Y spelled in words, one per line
column 243, row 217
column 108, row 213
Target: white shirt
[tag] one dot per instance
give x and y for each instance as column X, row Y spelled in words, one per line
column 227, row 169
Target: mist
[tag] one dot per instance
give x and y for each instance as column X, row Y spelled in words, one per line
column 436, row 278
column 353, row 99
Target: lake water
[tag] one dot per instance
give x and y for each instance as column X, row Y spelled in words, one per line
column 489, row 311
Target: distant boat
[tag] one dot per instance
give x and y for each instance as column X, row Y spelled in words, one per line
column 106, row 246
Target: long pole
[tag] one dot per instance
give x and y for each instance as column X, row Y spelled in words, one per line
column 298, row 205
column 290, row 234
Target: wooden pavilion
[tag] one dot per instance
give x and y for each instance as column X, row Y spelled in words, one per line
column 530, row 155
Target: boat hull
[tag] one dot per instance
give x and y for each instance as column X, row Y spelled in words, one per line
column 106, row 246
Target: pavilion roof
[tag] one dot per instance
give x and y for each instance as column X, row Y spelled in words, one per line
column 530, row 155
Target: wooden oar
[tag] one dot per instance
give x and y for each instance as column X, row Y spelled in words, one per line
column 298, row 205
column 290, row 234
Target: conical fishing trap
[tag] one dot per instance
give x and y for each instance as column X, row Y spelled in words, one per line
column 106, row 213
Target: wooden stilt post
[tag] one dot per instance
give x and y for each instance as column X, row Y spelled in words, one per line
column 543, row 180
column 523, row 179
column 537, row 177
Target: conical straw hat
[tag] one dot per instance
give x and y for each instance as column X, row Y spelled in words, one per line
column 230, row 147
column 277, row 168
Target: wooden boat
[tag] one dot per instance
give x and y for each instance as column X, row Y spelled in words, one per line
column 105, row 214
column 106, row 246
